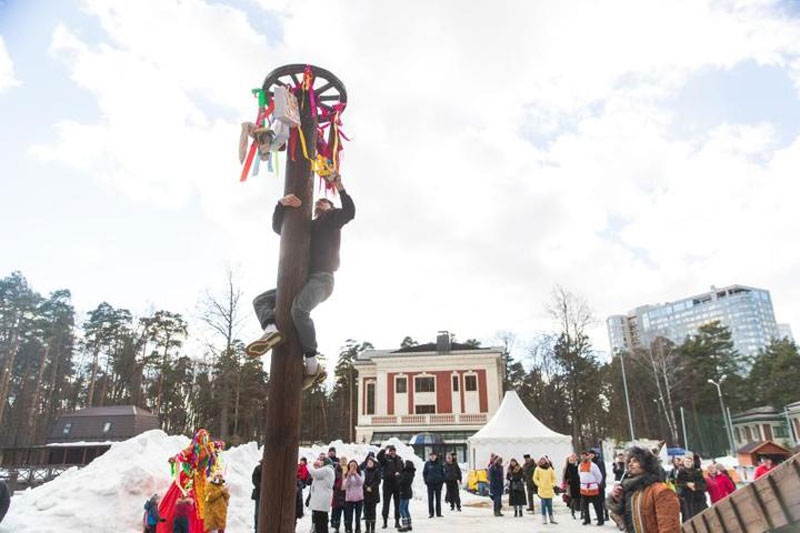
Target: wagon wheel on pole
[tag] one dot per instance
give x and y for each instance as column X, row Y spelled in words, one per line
column 329, row 90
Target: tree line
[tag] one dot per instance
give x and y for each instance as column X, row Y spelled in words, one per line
column 53, row 361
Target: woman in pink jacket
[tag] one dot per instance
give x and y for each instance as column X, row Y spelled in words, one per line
column 353, row 485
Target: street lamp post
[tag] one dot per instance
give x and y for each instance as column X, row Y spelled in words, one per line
column 627, row 400
column 718, row 385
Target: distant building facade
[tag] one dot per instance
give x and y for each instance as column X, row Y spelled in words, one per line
column 746, row 311
column 785, row 332
column 445, row 389
column 760, row 424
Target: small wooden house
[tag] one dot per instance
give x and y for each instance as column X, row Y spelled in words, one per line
column 749, row 455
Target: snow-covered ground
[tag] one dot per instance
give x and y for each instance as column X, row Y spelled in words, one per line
column 477, row 517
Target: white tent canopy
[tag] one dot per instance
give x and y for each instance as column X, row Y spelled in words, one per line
column 513, row 431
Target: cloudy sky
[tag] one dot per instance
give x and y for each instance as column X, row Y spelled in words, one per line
column 631, row 151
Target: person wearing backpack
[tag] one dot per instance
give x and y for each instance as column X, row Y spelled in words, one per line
column 642, row 502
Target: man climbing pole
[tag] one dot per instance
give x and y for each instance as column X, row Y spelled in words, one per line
column 326, row 234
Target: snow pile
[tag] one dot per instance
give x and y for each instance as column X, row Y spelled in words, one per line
column 109, row 493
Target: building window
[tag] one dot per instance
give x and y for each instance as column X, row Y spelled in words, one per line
column 67, row 428
column 738, row 434
column 106, row 427
column 425, row 409
column 425, row 384
column 748, row 433
column 470, row 383
column 370, row 398
column 455, row 383
column 781, row 432
column 401, row 385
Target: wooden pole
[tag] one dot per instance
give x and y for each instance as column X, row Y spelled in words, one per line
column 279, row 467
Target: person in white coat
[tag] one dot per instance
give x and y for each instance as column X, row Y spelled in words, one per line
column 319, row 501
column 591, row 479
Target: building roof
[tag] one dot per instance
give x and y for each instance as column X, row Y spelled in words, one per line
column 765, row 412
column 514, row 421
column 794, row 406
column 763, row 446
column 111, row 410
column 429, row 349
column 100, row 424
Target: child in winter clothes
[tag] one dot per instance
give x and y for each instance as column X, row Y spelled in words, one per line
column 406, row 493
column 545, row 479
column 353, row 496
column 151, row 516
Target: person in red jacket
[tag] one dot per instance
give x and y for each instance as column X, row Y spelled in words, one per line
column 718, row 484
column 302, row 471
column 765, row 466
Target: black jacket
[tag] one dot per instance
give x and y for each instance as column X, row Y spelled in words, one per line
column 692, row 475
column 602, row 466
column 256, row 482
column 528, row 468
column 390, row 468
column 326, row 233
column 372, row 485
column 619, row 470
column 5, row 499
column 452, row 472
column 573, row 479
column 433, row 473
column 406, row 480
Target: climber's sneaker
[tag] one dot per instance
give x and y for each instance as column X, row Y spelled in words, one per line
column 314, row 378
column 270, row 339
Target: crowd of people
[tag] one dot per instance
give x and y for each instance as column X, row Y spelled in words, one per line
column 582, row 484
column 344, row 492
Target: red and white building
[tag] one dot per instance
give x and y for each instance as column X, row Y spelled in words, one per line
column 447, row 389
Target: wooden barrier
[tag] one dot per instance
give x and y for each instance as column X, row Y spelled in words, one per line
column 769, row 503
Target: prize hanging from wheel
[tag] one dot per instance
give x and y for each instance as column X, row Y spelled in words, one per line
column 277, row 125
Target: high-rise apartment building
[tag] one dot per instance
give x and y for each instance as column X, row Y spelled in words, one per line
column 746, row 311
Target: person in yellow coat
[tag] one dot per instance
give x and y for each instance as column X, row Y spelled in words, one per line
column 215, row 513
column 544, row 477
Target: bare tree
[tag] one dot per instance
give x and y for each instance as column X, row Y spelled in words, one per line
column 667, row 368
column 570, row 311
column 222, row 315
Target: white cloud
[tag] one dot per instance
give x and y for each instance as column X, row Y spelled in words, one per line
column 463, row 222
column 7, row 77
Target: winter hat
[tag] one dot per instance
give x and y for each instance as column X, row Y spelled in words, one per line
column 649, row 462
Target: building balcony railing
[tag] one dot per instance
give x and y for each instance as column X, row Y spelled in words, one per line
column 427, row 420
